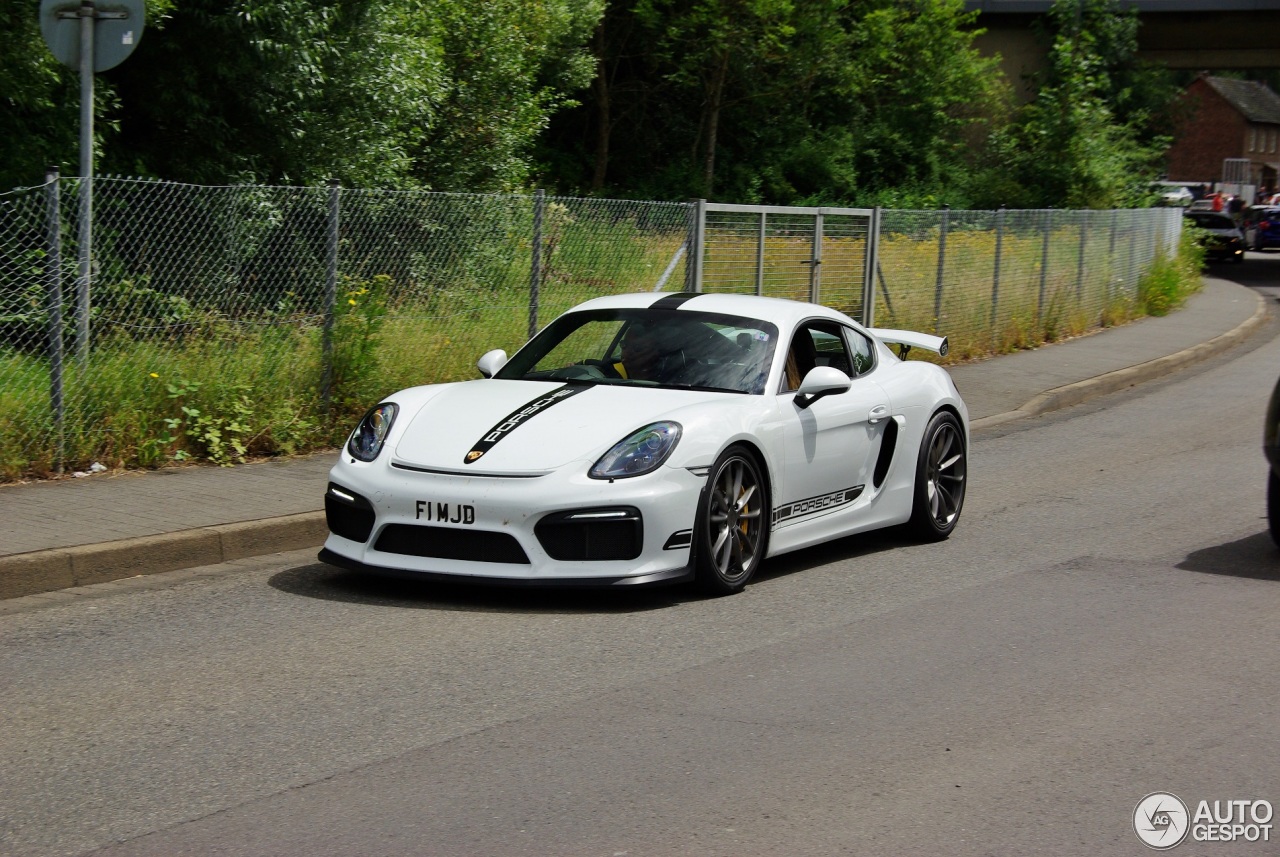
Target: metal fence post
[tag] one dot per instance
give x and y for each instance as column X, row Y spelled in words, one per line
column 697, row 234
column 942, row 262
column 1044, row 264
column 330, row 291
column 53, row 275
column 815, row 270
column 535, row 262
column 872, row 266
column 760, row 253
column 995, row 276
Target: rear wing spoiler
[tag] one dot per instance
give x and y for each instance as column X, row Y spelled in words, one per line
column 908, row 339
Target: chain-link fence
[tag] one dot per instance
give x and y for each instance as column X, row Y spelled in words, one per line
column 228, row 321
column 992, row 280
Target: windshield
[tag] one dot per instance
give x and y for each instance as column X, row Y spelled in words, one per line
column 650, row 348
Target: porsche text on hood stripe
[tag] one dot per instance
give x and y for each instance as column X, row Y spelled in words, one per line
column 516, row 418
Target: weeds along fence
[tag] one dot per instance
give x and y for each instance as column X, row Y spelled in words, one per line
column 222, row 322
column 994, row 281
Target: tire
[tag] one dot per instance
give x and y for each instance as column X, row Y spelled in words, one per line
column 732, row 527
column 1273, row 506
column 941, row 473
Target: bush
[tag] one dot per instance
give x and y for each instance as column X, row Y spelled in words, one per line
column 1171, row 280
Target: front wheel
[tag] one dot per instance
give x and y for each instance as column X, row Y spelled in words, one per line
column 941, row 471
column 731, row 524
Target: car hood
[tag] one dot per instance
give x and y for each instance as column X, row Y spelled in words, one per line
column 494, row 427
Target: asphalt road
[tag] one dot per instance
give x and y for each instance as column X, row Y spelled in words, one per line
column 1102, row 625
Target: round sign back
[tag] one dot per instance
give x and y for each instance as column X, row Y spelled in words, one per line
column 117, row 29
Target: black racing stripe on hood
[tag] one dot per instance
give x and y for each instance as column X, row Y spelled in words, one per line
column 674, row 300
column 519, row 417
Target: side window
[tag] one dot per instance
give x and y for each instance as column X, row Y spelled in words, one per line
column 861, row 351
column 816, row 343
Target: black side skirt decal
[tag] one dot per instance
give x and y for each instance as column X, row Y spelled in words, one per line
column 517, row 418
column 813, row 505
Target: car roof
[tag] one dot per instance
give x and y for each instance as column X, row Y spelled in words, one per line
column 1209, row 216
column 780, row 311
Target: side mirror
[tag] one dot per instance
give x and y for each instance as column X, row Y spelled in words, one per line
column 491, row 361
column 821, row 381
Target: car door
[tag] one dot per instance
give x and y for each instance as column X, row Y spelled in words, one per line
column 829, row 445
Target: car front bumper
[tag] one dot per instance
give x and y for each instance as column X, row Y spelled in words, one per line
column 557, row 529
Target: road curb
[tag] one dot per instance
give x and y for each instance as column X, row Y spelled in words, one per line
column 1081, row 391
column 62, row 568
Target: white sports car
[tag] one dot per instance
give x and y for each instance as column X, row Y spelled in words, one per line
column 654, row 438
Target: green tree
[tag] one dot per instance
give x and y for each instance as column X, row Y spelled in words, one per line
column 778, row 100
column 509, row 64
column 38, row 107
column 1089, row 138
column 439, row 93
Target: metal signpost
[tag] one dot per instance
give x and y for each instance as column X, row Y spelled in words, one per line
column 90, row 37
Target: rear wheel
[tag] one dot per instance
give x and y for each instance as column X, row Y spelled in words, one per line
column 941, row 471
column 731, row 524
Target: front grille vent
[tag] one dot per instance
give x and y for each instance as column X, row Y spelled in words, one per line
column 348, row 514
column 451, row 543
column 584, row 535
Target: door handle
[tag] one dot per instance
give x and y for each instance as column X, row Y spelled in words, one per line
column 878, row 413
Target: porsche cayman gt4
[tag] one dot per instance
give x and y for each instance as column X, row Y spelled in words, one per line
column 654, row 438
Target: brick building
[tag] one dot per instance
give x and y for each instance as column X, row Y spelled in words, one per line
column 1227, row 119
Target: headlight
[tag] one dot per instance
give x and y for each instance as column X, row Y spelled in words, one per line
column 366, row 441
column 643, row 451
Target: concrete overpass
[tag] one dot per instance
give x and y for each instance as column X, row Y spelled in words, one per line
column 1190, row 34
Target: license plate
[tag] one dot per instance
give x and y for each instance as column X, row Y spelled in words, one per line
column 433, row 511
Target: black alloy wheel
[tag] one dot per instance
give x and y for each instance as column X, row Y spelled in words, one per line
column 732, row 524
column 941, row 470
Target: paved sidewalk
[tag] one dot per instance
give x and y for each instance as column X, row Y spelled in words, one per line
column 73, row 532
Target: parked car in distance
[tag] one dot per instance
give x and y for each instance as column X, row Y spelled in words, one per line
column 1178, row 196
column 1221, row 238
column 1262, row 227
column 1271, row 447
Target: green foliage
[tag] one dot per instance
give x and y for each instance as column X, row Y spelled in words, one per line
column 778, row 101
column 40, row 99
column 359, row 315
column 1088, row 138
column 437, row 94
column 1170, row 281
column 39, row 104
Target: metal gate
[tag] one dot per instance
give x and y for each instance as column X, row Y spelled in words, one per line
column 821, row 255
